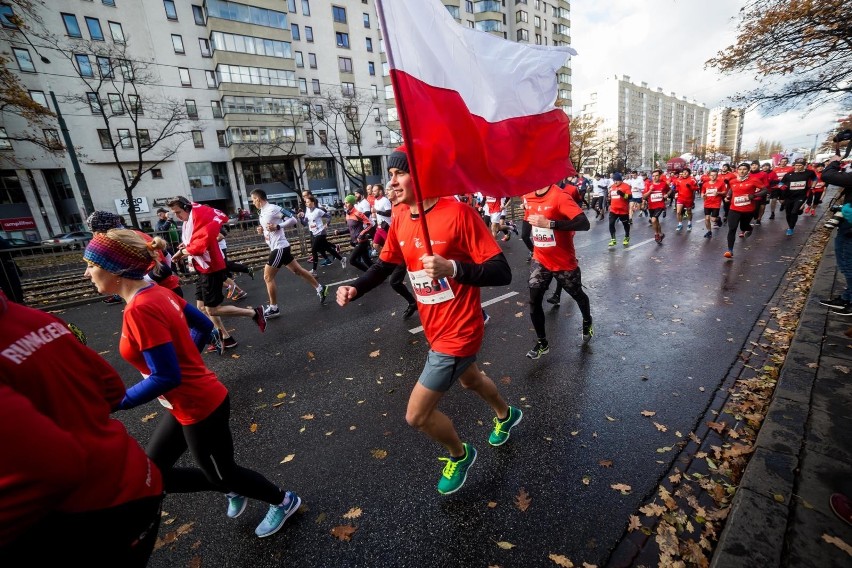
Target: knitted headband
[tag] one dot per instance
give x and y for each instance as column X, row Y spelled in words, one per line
column 117, row 258
column 103, row 221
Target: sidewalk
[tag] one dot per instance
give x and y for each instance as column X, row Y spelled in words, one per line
column 781, row 513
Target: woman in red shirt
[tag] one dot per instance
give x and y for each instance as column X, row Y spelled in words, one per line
column 743, row 193
column 712, row 190
column 619, row 208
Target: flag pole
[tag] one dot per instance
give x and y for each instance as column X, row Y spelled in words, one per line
column 406, row 133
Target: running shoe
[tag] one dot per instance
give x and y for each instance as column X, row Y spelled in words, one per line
column 313, row 273
column 240, row 295
column 455, row 471
column 756, row 222
column 410, row 310
column 554, row 299
column 250, row 272
column 658, row 239
column 327, row 262
column 813, row 211
column 742, row 234
column 771, row 216
column 729, row 253
column 270, row 312
column 486, row 317
column 502, row 428
column 343, row 260
column 837, row 302
column 540, row 348
column 680, row 226
column 844, row 311
column 689, row 227
column 662, row 236
column 216, row 342
column 626, row 241
column 747, row 234
column 229, row 342
column 236, row 505
column 708, row 235
column 323, row 294
column 114, row 299
column 230, row 294
column 259, row 318
column 515, row 229
column 588, row 331
column 842, row 506
column 277, row 515
column 612, row 242
column 788, row 232
column 507, row 237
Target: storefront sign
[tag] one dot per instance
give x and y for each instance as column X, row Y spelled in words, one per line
column 18, row 224
column 139, row 205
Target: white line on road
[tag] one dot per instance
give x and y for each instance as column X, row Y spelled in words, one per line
column 418, row 329
column 342, row 282
column 639, row 244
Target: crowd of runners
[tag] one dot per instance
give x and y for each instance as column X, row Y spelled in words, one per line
column 163, row 335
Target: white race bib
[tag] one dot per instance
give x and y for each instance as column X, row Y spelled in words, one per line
column 656, row 196
column 543, row 238
column 711, row 192
column 429, row 290
column 741, row 200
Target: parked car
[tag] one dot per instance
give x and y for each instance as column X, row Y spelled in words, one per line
column 18, row 247
column 73, row 240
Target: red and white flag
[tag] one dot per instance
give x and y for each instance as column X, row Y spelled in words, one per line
column 480, row 110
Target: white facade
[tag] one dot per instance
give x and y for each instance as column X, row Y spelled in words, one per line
column 725, row 131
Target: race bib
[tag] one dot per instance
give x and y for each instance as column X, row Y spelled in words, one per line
column 741, row 200
column 711, row 192
column 429, row 290
column 312, row 226
column 656, row 196
column 614, row 194
column 543, row 238
column 798, row 185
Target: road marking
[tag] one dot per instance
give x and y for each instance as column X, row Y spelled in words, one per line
column 418, row 329
column 342, row 282
column 640, row 243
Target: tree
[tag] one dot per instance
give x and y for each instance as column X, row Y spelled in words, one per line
column 584, row 140
column 806, row 42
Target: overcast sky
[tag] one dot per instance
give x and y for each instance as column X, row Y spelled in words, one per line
column 665, row 43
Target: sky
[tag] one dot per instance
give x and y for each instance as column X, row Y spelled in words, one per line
column 665, row 43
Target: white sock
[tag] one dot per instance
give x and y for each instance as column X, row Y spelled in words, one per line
column 319, row 288
column 273, row 306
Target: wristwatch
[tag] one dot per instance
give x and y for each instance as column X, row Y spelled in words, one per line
column 553, row 224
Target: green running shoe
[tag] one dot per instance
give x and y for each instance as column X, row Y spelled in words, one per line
column 502, row 428
column 612, row 242
column 455, row 472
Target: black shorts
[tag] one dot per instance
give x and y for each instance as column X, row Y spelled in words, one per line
column 208, row 289
column 711, row 211
column 775, row 194
column 655, row 213
column 635, row 200
column 280, row 257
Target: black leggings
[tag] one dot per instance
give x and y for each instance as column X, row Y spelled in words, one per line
column 737, row 218
column 397, row 282
column 320, row 245
column 233, row 266
column 625, row 221
column 212, row 447
column 815, row 198
column 570, row 280
column 360, row 256
column 526, row 234
column 791, row 209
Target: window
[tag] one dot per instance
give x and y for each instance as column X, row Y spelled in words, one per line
column 126, row 69
column 255, row 76
column 116, row 105
column 104, row 67
column 236, row 12
column 309, row 33
column 184, row 76
column 156, row 173
column 370, row 45
column 379, row 137
column 84, row 66
column 221, row 138
column 319, row 111
column 211, row 79
column 95, row 31
column 521, row 16
column 323, row 136
column 291, row 6
column 312, row 60
column 204, row 46
column 94, row 102
column 217, row 109
column 306, row 8
column 375, row 91
column 131, row 174
column 105, row 138
column 342, row 39
column 117, row 32
column 538, row 40
column 198, row 14
column 303, row 86
column 72, row 28
column 454, row 11
column 108, row 2
column 197, row 139
column 51, row 138
column 371, row 68
column 191, row 108
column 38, row 96
column 523, row 35
column 144, row 138
column 537, row 21
column 352, row 113
column 366, row 20
column 294, row 31
column 347, row 89
column 315, row 85
column 6, row 14
column 344, row 64
column 468, row 6
column 338, row 14
column 300, row 60
column 171, row 11
column 309, row 137
column 4, row 140
column 222, row 41
column 135, row 104
column 177, row 43
column 124, row 137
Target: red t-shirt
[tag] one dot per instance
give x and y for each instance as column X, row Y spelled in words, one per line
column 154, row 316
column 61, row 449
column 495, row 205
column 740, row 192
column 656, row 193
column 713, row 192
column 572, row 192
column 685, row 188
column 727, row 178
column 780, row 173
column 819, row 185
column 619, row 193
column 554, row 249
column 761, row 180
column 452, row 325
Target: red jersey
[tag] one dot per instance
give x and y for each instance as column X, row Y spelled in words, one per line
column 685, row 188
column 742, row 192
column 554, row 250
column 780, row 172
column 154, row 316
column 572, row 192
column 172, row 281
column 451, row 312
column 619, row 195
column 61, row 449
column 713, row 192
column 727, row 178
column 201, row 237
column 761, row 180
column 495, row 204
column 819, row 185
column 656, row 193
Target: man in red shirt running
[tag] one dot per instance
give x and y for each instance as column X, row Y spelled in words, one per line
column 655, row 194
column 684, row 186
column 712, row 190
column 743, row 194
column 619, row 208
column 446, row 285
column 783, row 168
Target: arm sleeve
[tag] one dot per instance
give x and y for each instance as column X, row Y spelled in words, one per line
column 374, row 276
column 165, row 375
column 383, row 213
column 200, row 325
column 578, row 223
column 493, row 272
column 289, row 222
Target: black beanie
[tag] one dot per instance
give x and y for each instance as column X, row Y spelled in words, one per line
column 399, row 159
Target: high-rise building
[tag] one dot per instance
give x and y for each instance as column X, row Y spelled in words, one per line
column 209, row 99
column 725, row 131
column 641, row 126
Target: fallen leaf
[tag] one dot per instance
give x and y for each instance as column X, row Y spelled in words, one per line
column 838, row 542
column 277, row 404
column 586, row 480
column 843, row 369
column 647, row 413
column 311, row 355
column 353, row 513
column 235, row 356
column 375, row 353
column 308, row 417
column 813, row 365
column 505, row 545
column 778, row 497
column 149, row 417
column 605, row 463
column 610, row 418
column 320, row 518
column 522, row 499
column 379, row 454
column 344, row 532
column 253, row 428
column 621, row 487
column 519, row 315
column 717, row 426
column 660, row 427
column 664, row 449
column 575, row 432
column 561, row 560
column 634, row 524
column 652, row 510
column 492, row 504
column 288, row 458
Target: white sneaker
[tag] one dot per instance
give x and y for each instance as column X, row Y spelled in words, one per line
column 343, row 261
column 312, row 272
column 271, row 312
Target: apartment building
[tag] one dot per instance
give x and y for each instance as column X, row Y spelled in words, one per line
column 210, row 99
column 725, row 131
column 646, row 124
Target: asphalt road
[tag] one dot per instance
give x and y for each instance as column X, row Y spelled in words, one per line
column 329, row 386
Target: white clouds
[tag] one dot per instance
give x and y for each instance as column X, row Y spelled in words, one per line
column 665, row 43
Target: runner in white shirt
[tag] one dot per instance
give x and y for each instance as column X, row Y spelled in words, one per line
column 315, row 218
column 271, row 224
column 637, row 188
